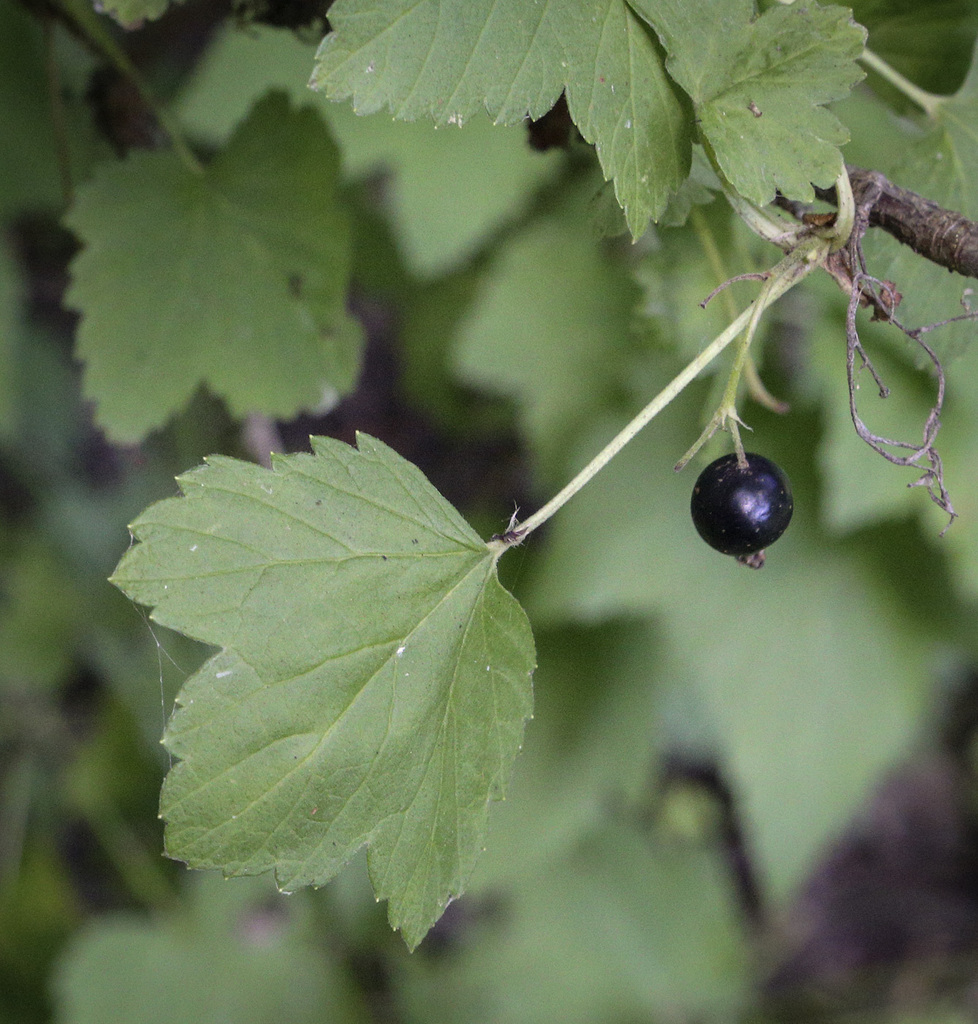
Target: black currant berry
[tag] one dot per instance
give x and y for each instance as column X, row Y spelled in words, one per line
column 741, row 511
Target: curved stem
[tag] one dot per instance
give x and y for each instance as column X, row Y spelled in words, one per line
column 83, row 15
column 760, row 394
column 729, row 401
column 707, row 242
column 782, row 234
column 928, row 102
column 712, row 253
column 795, row 266
column 725, row 417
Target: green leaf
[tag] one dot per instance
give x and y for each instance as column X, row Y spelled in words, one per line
column 942, row 165
column 792, row 711
column 614, row 927
column 231, row 954
column 878, row 138
column 554, row 284
column 238, row 68
column 374, row 681
column 36, row 153
column 574, row 842
column 928, row 41
column 40, row 615
column 449, row 59
column 30, row 172
column 758, row 85
column 447, row 190
column 234, row 278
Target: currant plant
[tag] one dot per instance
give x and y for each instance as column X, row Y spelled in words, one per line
column 373, row 678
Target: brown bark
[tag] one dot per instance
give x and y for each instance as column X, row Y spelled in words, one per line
column 942, row 236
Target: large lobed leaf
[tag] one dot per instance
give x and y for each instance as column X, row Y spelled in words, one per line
column 451, row 59
column 235, row 277
column 373, row 683
column 758, row 85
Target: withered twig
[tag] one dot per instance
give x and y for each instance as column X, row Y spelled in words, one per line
column 850, row 271
column 942, row 236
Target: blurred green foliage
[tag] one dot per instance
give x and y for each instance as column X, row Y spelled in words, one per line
column 720, row 812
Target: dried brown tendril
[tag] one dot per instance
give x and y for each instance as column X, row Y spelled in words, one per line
column 848, row 267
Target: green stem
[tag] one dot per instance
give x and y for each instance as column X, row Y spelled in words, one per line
column 713, row 257
column 928, row 102
column 729, row 401
column 783, row 234
column 58, row 121
column 726, row 418
column 738, row 444
column 707, row 242
column 795, row 266
column 88, row 23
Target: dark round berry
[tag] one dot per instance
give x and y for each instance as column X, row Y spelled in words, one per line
column 741, row 511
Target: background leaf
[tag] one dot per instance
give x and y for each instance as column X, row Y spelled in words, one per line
column 30, row 172
column 235, row 278
column 446, row 190
column 929, row 41
column 323, row 727
column 236, row 953
column 759, row 650
column 8, row 332
column 940, row 163
column 574, row 842
column 560, row 285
